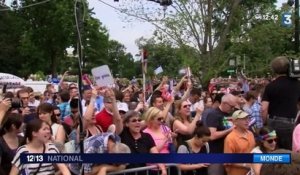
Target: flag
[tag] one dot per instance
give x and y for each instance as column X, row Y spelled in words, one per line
column 158, row 70
column 86, row 82
column 188, row 72
column 144, row 60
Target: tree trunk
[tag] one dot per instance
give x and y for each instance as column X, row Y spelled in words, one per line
column 221, row 45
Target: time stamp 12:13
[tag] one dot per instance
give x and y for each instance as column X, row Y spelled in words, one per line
column 34, row 158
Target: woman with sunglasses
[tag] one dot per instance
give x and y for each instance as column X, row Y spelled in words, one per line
column 183, row 124
column 266, row 143
column 198, row 145
column 57, row 113
column 156, row 127
column 136, row 140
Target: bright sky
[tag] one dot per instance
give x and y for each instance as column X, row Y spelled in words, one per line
column 125, row 33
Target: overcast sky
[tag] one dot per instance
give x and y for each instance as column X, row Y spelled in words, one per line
column 125, row 33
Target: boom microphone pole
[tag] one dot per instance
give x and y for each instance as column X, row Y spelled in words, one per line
column 79, row 26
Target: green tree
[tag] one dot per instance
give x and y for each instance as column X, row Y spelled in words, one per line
column 96, row 44
column 46, row 36
column 121, row 63
column 162, row 54
column 10, row 35
column 211, row 27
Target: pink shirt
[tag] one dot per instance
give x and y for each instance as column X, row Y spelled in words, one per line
column 296, row 139
column 159, row 139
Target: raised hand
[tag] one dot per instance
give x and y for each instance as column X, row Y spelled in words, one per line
column 5, row 104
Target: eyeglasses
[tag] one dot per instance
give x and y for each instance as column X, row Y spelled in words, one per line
column 271, row 140
column 58, row 114
column 136, row 120
column 186, row 106
column 160, row 119
column 231, row 106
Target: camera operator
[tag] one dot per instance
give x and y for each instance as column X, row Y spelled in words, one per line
column 279, row 102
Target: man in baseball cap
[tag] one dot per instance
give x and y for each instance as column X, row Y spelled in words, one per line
column 239, row 140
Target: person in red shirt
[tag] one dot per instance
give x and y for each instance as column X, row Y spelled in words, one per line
column 110, row 114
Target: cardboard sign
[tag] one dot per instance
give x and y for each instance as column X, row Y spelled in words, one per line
column 102, row 76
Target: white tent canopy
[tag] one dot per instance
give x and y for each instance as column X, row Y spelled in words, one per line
column 11, row 81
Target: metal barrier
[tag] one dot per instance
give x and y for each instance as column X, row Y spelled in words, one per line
column 146, row 169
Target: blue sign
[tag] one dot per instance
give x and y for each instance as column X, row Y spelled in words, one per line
column 272, row 158
column 286, row 19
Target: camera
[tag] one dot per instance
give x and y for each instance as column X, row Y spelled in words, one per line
column 294, row 68
column 16, row 103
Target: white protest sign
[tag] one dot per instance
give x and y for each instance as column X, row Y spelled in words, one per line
column 158, row 70
column 102, row 76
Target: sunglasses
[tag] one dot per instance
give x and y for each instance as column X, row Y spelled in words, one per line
column 160, row 119
column 271, row 141
column 186, row 106
column 136, row 120
column 58, row 114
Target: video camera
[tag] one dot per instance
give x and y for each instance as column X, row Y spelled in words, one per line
column 294, row 68
column 16, row 103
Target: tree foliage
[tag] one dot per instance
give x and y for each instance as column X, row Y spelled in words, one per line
column 217, row 31
column 35, row 39
column 10, row 35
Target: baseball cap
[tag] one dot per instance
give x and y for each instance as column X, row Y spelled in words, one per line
column 122, row 106
column 239, row 114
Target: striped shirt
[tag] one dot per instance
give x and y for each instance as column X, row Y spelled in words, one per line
column 29, row 169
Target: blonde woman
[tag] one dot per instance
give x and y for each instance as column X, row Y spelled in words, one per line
column 183, row 124
column 156, row 127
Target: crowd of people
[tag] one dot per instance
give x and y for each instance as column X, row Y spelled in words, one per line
column 252, row 117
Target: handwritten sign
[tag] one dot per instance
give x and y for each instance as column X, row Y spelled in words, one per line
column 103, row 76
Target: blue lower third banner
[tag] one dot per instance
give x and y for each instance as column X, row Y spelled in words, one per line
column 155, row 158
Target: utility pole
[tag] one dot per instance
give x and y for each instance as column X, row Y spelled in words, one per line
column 296, row 26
